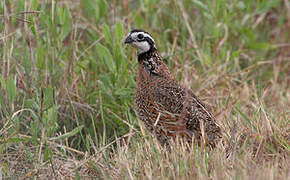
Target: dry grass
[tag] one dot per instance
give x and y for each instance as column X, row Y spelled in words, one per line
column 246, row 153
column 65, row 113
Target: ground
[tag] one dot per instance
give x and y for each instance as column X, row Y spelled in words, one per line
column 67, row 85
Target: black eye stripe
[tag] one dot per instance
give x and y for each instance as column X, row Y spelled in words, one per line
column 149, row 40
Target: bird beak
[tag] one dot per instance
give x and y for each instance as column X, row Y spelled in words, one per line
column 128, row 40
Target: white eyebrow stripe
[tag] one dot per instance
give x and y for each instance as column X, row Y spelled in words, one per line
column 135, row 34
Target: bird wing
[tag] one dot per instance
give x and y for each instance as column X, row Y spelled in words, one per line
column 188, row 110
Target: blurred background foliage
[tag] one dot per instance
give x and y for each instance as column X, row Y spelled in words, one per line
column 67, row 77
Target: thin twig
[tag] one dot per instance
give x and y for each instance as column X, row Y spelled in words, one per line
column 23, row 12
column 191, row 34
column 56, row 144
column 102, row 149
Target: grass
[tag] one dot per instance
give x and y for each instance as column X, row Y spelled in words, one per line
column 67, row 85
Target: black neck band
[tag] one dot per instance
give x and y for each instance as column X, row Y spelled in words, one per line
column 147, row 54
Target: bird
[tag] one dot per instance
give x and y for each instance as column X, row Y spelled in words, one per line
column 167, row 108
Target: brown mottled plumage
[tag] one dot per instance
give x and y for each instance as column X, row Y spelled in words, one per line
column 167, row 108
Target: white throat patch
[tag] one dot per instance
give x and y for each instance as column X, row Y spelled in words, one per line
column 141, row 46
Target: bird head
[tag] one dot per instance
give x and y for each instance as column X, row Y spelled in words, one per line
column 141, row 40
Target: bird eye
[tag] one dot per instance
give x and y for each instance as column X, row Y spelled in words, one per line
column 140, row 36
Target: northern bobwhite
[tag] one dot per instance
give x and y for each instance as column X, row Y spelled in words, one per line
column 167, row 108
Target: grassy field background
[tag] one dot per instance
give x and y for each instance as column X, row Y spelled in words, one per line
column 67, row 87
